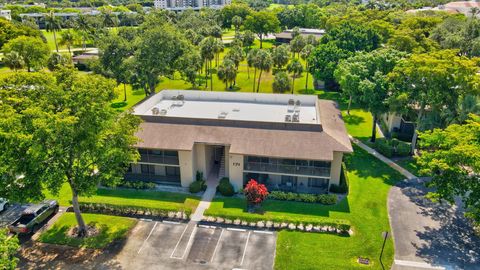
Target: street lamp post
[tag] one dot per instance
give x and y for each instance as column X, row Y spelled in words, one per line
column 385, row 236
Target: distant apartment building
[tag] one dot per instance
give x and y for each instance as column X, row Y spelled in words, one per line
column 178, row 5
column 467, row 8
column 288, row 142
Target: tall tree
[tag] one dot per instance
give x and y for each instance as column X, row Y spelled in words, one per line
column 236, row 55
column 115, row 51
column 227, row 73
column 297, row 44
column 207, row 51
column 262, row 23
column 263, row 63
column 363, row 79
column 189, row 65
column 14, row 60
column 280, row 56
column 305, row 54
column 52, row 24
column 68, row 38
column 33, row 51
column 295, row 68
column 158, row 50
column 324, row 61
column 70, row 131
column 84, row 27
column 451, row 157
column 251, row 62
column 353, row 37
column 281, row 82
column 432, row 81
column 237, row 23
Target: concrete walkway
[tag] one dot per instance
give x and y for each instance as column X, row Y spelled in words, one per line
column 381, row 157
column 212, row 183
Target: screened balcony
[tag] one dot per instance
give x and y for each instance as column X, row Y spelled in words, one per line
column 158, row 156
column 287, row 166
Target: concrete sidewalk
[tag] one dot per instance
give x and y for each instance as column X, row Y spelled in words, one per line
column 381, row 157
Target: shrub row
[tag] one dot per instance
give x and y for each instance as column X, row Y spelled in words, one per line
column 134, row 185
column 391, row 148
column 197, row 186
column 129, row 211
column 315, row 224
column 327, row 199
column 225, row 187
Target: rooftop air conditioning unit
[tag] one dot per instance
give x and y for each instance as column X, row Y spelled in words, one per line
column 155, row 111
column 222, row 115
column 288, row 118
column 163, row 112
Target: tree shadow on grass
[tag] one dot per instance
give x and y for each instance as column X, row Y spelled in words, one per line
column 353, row 119
column 118, row 105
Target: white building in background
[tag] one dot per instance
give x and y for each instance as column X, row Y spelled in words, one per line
column 288, row 142
column 178, row 5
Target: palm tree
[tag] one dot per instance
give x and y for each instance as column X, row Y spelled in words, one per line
column 83, row 26
column 68, row 38
column 263, row 62
column 227, row 73
column 52, row 24
column 208, row 54
column 237, row 22
column 14, row 60
column 217, row 49
column 251, row 59
column 296, row 69
column 237, row 55
column 109, row 19
column 305, row 54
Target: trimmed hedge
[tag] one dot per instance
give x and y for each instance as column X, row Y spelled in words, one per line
column 391, row 148
column 133, row 185
column 123, row 210
column 197, row 186
column 225, row 187
column 327, row 199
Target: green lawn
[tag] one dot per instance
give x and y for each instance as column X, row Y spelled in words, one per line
column 365, row 208
column 135, row 198
column 133, row 97
column 410, row 164
column 111, row 228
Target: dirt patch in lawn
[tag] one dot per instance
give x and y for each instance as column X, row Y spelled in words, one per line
column 35, row 255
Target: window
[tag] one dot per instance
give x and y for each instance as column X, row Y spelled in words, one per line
column 318, row 182
column 289, row 180
column 156, row 152
column 148, row 169
column 172, row 171
column 170, row 153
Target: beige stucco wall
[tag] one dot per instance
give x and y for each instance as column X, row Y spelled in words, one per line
column 227, row 160
column 392, row 120
column 187, row 170
column 199, row 153
column 336, row 168
column 235, row 170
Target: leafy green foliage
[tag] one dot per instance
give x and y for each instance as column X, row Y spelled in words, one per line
column 326, row 199
column 197, row 186
column 33, row 51
column 8, row 248
column 262, row 23
column 225, row 187
column 452, row 157
column 281, row 83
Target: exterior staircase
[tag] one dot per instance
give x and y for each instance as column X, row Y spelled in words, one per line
column 221, row 172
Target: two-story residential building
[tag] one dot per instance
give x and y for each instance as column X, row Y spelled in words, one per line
column 288, row 142
column 179, row 5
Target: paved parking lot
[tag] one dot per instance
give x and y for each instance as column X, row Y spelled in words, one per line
column 157, row 245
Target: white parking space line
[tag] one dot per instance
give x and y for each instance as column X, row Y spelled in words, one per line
column 189, row 241
column 216, row 246
column 263, row 232
column 206, row 226
column 146, row 219
column 236, row 230
column 245, row 248
column 146, row 239
column 180, row 239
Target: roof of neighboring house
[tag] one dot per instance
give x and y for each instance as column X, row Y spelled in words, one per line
column 287, row 34
column 263, row 137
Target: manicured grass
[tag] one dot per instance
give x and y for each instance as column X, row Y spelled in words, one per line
column 133, row 97
column 111, row 228
column 134, row 198
column 365, row 208
column 410, row 164
column 370, row 181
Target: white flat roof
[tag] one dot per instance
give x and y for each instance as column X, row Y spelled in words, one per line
column 231, row 106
